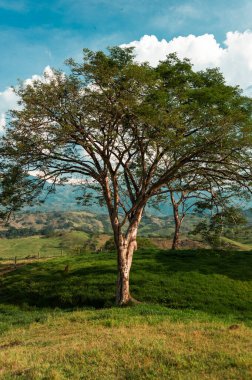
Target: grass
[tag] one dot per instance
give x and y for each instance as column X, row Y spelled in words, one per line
column 29, row 246
column 46, row 246
column 208, row 281
column 194, row 322
column 237, row 244
column 137, row 343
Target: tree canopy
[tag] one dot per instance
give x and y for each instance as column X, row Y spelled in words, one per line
column 130, row 129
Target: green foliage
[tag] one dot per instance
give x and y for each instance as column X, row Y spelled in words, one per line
column 213, row 229
column 145, row 243
column 113, row 109
column 129, row 128
column 13, row 181
column 210, row 233
column 109, row 245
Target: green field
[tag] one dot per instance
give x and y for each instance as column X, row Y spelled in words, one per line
column 194, row 322
column 237, row 244
column 45, row 246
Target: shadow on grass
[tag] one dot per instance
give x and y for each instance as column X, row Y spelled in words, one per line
column 47, row 284
column 217, row 283
column 210, row 281
column 235, row 265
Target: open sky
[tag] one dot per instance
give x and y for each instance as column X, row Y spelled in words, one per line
column 34, row 35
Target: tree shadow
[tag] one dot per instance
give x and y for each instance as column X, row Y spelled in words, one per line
column 217, row 283
column 235, row 265
column 49, row 285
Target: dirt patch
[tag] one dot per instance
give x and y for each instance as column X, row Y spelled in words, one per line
column 11, row 344
column 9, row 268
column 185, row 243
column 191, row 244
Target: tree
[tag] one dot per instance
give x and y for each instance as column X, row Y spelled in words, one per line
column 184, row 195
column 212, row 229
column 222, row 211
column 186, row 201
column 15, row 190
column 182, row 203
column 129, row 129
column 194, row 193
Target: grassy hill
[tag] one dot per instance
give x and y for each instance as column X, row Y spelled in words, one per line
column 194, row 321
column 46, row 246
column 237, row 244
column 74, row 242
column 89, row 222
column 48, row 222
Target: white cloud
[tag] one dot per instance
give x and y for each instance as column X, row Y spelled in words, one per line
column 47, row 76
column 203, row 50
column 236, row 62
column 2, row 121
column 8, row 99
column 234, row 59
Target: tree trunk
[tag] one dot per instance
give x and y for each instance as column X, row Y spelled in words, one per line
column 125, row 256
column 175, row 242
column 125, row 253
column 177, row 222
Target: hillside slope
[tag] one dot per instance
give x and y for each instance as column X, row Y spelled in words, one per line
column 194, row 321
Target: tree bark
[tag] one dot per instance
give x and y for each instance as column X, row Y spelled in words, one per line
column 125, row 243
column 125, row 255
column 175, row 242
column 125, row 251
column 177, row 219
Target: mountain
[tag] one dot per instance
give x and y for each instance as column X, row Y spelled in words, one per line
column 64, row 200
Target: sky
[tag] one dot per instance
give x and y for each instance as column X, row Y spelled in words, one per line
column 35, row 36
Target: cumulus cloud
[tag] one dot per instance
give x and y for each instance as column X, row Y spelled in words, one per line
column 47, row 76
column 236, row 62
column 234, row 59
column 8, row 98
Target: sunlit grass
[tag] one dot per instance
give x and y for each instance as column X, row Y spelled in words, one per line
column 42, row 246
column 194, row 321
column 143, row 342
column 237, row 244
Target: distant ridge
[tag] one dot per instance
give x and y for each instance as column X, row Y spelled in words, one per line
column 64, row 199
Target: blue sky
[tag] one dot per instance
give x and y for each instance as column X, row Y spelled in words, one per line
column 36, row 34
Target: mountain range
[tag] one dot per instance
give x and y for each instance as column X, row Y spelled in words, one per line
column 64, row 199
